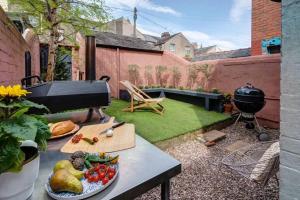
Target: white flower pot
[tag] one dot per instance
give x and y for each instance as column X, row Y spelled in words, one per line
column 19, row 186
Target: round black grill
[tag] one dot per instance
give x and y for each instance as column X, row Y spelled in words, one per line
column 249, row 99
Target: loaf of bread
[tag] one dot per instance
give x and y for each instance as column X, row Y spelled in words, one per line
column 61, row 128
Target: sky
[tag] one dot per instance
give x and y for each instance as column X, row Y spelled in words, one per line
column 225, row 23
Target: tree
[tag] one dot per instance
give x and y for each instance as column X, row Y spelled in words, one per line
column 176, row 76
column 159, row 71
column 207, row 71
column 148, row 74
column 134, row 74
column 50, row 18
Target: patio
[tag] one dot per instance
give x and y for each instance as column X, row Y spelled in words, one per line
column 203, row 175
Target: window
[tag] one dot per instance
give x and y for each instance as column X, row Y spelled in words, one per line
column 172, row 47
column 188, row 51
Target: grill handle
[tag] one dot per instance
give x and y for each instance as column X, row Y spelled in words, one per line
column 24, row 80
column 106, row 78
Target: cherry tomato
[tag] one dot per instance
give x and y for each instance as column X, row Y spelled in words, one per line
column 95, row 139
column 102, row 166
column 110, row 169
column 105, row 180
column 97, row 167
column 90, row 179
column 95, row 178
column 101, row 175
column 87, row 174
column 111, row 175
column 80, row 135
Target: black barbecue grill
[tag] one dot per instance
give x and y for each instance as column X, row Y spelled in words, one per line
column 250, row 100
column 60, row 96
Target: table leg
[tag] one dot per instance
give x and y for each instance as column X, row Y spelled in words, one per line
column 165, row 190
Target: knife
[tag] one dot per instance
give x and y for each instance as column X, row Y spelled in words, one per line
column 113, row 127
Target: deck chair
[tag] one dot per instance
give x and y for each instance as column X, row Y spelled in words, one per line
column 140, row 99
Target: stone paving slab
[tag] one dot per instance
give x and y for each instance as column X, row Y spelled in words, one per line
column 214, row 135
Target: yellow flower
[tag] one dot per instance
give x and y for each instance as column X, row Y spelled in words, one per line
column 12, row 91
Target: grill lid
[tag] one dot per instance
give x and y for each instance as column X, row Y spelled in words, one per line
column 249, row 90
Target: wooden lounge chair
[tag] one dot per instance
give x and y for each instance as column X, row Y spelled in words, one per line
column 140, row 99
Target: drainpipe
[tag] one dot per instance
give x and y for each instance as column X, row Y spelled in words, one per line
column 90, row 58
column 118, row 72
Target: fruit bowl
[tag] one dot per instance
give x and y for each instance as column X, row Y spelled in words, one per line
column 89, row 189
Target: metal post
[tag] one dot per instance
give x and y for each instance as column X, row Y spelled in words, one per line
column 27, row 67
column 90, row 58
column 134, row 21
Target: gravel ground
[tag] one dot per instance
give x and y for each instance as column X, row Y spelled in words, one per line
column 204, row 177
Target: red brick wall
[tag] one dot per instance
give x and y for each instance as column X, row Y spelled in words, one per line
column 266, row 22
column 12, row 52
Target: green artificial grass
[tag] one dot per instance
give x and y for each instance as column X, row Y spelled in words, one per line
column 179, row 118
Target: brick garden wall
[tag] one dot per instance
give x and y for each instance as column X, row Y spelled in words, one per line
column 266, row 22
column 228, row 74
column 12, row 52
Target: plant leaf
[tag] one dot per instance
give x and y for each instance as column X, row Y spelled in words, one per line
column 11, row 156
column 19, row 112
column 23, row 127
column 31, row 104
column 43, row 133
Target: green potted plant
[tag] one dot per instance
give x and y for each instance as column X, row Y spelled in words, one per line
column 228, row 107
column 21, row 137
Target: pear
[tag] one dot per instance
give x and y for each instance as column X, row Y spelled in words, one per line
column 66, row 164
column 63, row 181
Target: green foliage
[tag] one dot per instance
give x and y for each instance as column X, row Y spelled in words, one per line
column 17, row 126
column 134, row 74
column 200, row 89
column 78, row 15
column 215, row 91
column 60, row 20
column 227, row 98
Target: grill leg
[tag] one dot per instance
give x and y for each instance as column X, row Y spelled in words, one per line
column 258, row 126
column 98, row 111
column 237, row 120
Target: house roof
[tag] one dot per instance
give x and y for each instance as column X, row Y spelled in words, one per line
column 165, row 39
column 223, row 54
column 151, row 38
column 108, row 39
column 205, row 49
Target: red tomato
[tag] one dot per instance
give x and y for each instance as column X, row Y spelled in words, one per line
column 97, row 167
column 96, row 178
column 111, row 175
column 95, row 139
column 90, row 179
column 110, row 169
column 101, row 175
column 102, row 166
column 105, row 180
column 87, row 174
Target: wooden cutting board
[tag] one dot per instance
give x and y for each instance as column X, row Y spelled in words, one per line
column 123, row 138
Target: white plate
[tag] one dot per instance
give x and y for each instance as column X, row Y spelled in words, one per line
column 89, row 189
